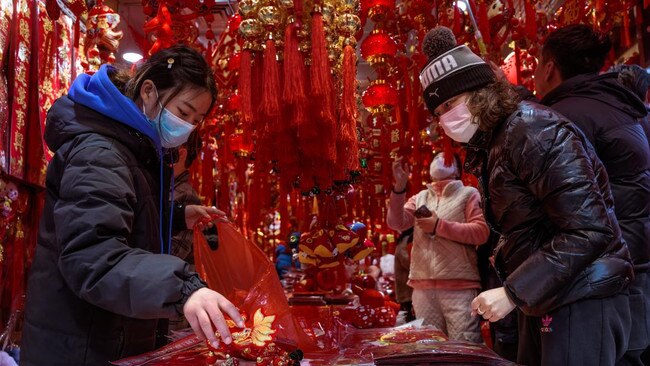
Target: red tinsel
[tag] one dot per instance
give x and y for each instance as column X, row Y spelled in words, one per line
column 245, row 82
column 484, row 23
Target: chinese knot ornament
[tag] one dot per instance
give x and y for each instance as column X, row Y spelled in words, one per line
column 102, row 36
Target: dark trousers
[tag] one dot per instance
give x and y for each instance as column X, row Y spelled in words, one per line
column 588, row 332
column 640, row 312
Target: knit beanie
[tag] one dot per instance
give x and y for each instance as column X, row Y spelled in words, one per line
column 451, row 70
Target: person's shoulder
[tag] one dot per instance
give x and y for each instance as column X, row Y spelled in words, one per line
column 531, row 119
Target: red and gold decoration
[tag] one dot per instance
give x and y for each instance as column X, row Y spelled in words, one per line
column 102, row 37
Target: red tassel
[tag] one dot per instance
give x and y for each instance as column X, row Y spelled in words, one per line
column 294, row 91
column 256, row 84
column 531, row 22
column 347, row 144
column 270, row 106
column 320, row 66
column 448, row 149
column 484, row 23
column 456, row 27
column 245, row 82
column 321, row 80
column 208, row 53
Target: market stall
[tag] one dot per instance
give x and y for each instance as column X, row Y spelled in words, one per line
column 316, row 99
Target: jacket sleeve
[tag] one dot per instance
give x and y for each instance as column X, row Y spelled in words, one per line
column 473, row 231
column 400, row 214
column 555, row 166
column 94, row 218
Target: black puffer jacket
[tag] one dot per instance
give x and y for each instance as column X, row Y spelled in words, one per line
column 609, row 114
column 547, row 194
column 95, row 289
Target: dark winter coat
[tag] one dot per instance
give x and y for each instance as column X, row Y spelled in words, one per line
column 546, row 193
column 95, row 287
column 609, row 115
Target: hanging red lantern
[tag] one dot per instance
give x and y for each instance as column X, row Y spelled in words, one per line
column 379, row 97
column 377, row 10
column 233, row 103
column 240, row 144
column 378, row 48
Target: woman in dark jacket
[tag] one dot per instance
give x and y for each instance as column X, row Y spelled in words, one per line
column 98, row 282
column 563, row 263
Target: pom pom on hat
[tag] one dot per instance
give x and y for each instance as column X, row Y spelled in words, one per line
column 438, row 41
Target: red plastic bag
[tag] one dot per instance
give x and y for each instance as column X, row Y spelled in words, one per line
column 242, row 272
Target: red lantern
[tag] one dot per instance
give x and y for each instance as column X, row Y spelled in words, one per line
column 240, row 145
column 378, row 48
column 377, row 10
column 379, row 97
column 233, row 102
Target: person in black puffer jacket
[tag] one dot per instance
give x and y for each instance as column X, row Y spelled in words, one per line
column 561, row 257
column 98, row 283
column 609, row 115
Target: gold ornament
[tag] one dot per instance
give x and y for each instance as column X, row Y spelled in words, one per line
column 270, row 16
column 247, row 8
column 250, row 28
column 348, row 6
column 287, row 4
column 328, row 13
column 348, row 24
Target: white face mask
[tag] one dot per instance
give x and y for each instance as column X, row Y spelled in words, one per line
column 457, row 123
column 439, row 171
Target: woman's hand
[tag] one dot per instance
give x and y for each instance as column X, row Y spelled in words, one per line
column 400, row 175
column 492, row 305
column 427, row 224
column 202, row 216
column 205, row 308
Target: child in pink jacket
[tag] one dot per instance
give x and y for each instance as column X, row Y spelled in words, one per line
column 449, row 225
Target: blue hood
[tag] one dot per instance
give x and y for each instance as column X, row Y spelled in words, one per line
column 100, row 94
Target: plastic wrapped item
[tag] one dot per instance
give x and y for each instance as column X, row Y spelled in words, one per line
column 242, row 272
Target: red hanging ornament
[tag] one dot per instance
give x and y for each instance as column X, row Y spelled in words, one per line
column 293, row 91
column 245, row 87
column 379, row 48
column 531, row 21
column 377, row 10
column 379, row 97
column 484, row 22
column 270, row 106
column 347, row 144
column 161, row 27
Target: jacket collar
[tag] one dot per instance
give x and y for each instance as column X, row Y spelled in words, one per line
column 558, row 93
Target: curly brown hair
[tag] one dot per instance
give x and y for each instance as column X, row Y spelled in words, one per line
column 493, row 103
